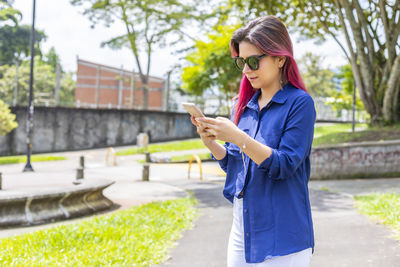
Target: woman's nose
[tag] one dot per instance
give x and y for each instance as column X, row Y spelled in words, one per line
column 246, row 69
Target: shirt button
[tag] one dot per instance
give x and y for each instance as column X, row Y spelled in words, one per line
column 245, row 210
column 247, row 234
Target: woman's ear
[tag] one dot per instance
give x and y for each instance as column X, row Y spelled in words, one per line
column 281, row 61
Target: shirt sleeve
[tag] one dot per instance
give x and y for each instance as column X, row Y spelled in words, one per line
column 295, row 142
column 223, row 163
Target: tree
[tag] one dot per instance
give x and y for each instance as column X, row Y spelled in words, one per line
column 44, row 84
column 371, row 31
column 52, row 58
column 147, row 24
column 7, row 13
column 318, row 80
column 343, row 98
column 211, row 66
column 7, row 119
column 15, row 43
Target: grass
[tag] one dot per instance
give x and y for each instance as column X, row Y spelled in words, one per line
column 339, row 133
column 139, row 236
column 335, row 128
column 323, row 135
column 34, row 158
column 382, row 207
column 184, row 158
column 324, row 188
column 166, row 147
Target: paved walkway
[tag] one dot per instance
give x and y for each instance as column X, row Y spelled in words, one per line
column 343, row 237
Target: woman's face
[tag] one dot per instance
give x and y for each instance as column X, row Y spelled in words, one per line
column 268, row 74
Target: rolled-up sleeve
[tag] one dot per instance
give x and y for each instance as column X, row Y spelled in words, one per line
column 223, row 163
column 296, row 141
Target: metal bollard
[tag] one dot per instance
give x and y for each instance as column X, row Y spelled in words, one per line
column 79, row 176
column 82, row 162
column 146, row 172
column 79, row 173
column 1, row 182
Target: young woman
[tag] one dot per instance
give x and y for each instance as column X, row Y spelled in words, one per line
column 266, row 153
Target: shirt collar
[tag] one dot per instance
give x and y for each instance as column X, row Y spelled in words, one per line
column 279, row 97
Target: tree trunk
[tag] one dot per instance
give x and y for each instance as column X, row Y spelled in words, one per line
column 378, row 81
column 145, row 96
column 391, row 99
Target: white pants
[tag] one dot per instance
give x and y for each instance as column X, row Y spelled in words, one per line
column 236, row 257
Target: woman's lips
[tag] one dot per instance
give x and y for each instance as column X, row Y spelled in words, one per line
column 252, row 78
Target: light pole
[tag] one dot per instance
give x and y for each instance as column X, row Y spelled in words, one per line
column 29, row 121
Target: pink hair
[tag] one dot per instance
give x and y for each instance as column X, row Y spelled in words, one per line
column 269, row 35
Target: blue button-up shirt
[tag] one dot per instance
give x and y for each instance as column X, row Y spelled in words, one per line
column 276, row 205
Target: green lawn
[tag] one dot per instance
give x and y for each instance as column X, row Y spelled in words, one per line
column 323, row 135
column 335, row 128
column 341, row 133
column 183, row 158
column 167, row 146
column 382, row 207
column 138, row 236
column 34, row 158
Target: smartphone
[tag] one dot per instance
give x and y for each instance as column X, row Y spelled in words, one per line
column 193, row 110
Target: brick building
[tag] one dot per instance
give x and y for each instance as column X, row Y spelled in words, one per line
column 101, row 86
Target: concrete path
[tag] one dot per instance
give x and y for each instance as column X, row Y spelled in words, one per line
column 343, row 237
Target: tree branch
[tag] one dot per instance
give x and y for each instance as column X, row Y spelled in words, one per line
column 365, row 68
column 149, row 43
column 386, row 28
column 395, row 27
column 390, row 101
column 376, row 37
column 364, row 24
column 353, row 60
column 318, row 15
column 132, row 38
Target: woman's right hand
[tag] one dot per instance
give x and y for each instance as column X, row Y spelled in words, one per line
column 206, row 137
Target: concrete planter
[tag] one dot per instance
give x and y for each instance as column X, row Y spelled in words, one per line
column 26, row 207
column 351, row 160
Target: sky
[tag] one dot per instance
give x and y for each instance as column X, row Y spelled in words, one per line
column 70, row 33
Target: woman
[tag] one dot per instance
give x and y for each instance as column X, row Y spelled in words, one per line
column 266, row 151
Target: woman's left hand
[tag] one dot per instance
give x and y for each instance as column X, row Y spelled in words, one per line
column 222, row 128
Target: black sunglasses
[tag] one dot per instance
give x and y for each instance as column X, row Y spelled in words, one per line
column 252, row 61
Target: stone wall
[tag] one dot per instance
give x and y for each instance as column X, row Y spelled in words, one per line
column 365, row 159
column 62, row 129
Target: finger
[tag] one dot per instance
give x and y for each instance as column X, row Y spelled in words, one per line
column 211, row 132
column 201, row 127
column 206, row 120
column 208, row 126
column 192, row 118
column 221, row 118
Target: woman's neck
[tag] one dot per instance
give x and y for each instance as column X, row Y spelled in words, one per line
column 268, row 92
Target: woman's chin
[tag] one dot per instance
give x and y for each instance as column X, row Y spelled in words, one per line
column 255, row 84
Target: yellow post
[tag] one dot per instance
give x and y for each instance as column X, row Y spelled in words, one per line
column 111, row 151
column 199, row 162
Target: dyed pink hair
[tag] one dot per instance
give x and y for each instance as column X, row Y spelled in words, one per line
column 269, row 35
